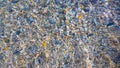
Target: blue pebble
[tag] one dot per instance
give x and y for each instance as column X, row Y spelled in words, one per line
column 1, row 56
column 29, row 20
column 71, row 1
column 64, row 18
column 110, row 24
column 85, row 3
column 117, row 59
column 32, row 49
column 18, row 32
column 117, row 27
column 40, row 60
column 14, row 38
column 66, row 57
column 61, row 12
column 93, row 1
column 65, row 33
column 52, row 21
column 15, row 1
column 57, row 42
column 26, row 9
column 73, row 34
column 37, row 1
column 16, row 52
column 1, row 29
column 67, row 64
column 57, row 1
column 94, row 21
column 118, row 9
column 63, row 6
column 73, row 10
column 86, row 9
column 102, row 0
column 76, row 4
column 10, row 10
column 47, row 26
column 111, row 50
column 89, row 35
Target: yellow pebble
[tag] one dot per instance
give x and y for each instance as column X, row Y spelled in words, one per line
column 5, row 39
column 81, row 6
column 6, row 48
column 6, row 13
column 80, row 16
column 44, row 44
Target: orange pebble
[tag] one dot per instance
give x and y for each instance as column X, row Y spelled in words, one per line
column 80, row 16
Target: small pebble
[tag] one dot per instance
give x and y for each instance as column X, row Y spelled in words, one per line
column 29, row 20
column 86, row 9
column 15, row 1
column 94, row 1
column 44, row 43
column 1, row 56
column 6, row 40
column 117, row 59
column 6, row 48
column 18, row 32
column 16, row 52
column 80, row 16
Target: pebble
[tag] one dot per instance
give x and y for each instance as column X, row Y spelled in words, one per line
column 32, row 49
column 57, row 42
column 82, row 6
column 110, row 23
column 1, row 56
column 80, row 16
column 29, row 20
column 86, row 9
column 6, row 48
column 6, row 40
column 44, row 43
column 40, row 60
column 15, row 1
column 16, row 52
column 52, row 21
column 94, row 1
column 17, row 32
column 117, row 59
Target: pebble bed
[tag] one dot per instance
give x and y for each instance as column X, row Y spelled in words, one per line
column 59, row 33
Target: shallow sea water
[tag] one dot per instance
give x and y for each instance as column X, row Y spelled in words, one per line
column 59, row 34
